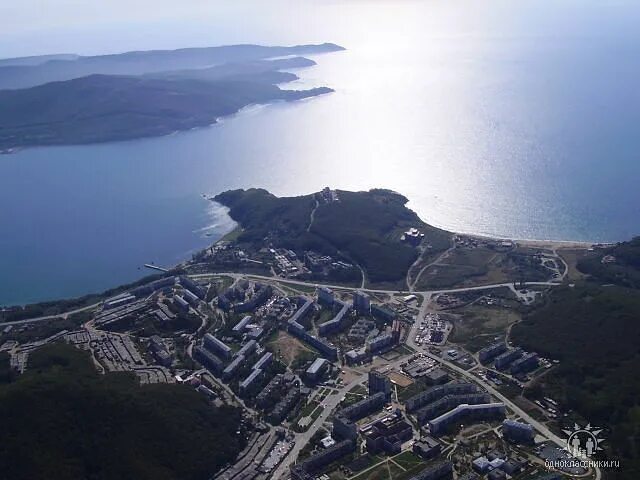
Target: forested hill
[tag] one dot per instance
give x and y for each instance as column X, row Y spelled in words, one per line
column 141, row 94
column 363, row 227
column 63, row 421
column 619, row 264
column 101, row 108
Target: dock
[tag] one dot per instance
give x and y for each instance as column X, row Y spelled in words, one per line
column 155, row 267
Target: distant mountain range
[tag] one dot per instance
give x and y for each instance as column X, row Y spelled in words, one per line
column 29, row 71
column 66, row 99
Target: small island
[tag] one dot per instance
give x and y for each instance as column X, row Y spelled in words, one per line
column 80, row 100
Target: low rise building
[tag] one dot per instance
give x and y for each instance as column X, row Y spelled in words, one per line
column 427, row 448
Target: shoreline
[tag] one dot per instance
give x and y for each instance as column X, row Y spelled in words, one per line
column 532, row 243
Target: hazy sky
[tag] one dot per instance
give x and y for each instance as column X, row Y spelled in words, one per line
column 32, row 27
column 90, row 26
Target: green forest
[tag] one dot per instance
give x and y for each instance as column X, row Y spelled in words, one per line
column 364, row 227
column 62, row 420
column 593, row 329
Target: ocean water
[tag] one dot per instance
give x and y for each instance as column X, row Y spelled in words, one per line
column 513, row 119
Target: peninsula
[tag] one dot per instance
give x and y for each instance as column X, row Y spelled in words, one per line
column 79, row 100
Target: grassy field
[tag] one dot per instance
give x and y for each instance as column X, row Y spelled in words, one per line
column 400, row 467
column 384, row 471
column 478, row 325
column 465, row 267
column 409, row 391
column 289, row 348
column 572, row 257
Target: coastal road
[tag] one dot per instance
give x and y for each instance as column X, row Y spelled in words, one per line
column 51, row 317
column 370, row 290
column 237, row 276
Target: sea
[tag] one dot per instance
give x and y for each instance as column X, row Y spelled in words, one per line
column 518, row 120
